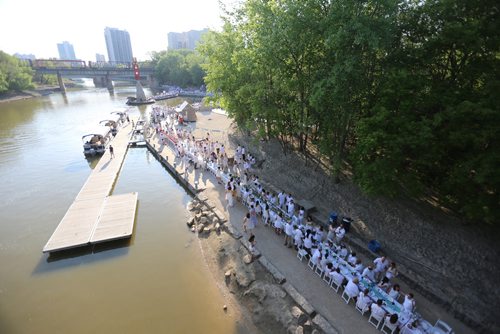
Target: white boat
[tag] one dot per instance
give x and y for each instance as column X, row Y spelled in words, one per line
column 122, row 112
column 112, row 122
column 95, row 142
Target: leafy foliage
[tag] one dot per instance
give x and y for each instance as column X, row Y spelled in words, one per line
column 13, row 74
column 179, row 67
column 405, row 91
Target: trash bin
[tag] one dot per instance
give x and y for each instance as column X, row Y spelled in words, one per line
column 346, row 222
column 374, row 246
column 333, row 218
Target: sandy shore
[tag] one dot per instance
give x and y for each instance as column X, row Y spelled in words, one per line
column 27, row 94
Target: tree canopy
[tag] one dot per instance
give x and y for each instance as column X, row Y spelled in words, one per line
column 179, row 67
column 404, row 91
column 14, row 75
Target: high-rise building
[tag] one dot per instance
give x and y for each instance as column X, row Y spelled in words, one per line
column 118, row 45
column 184, row 40
column 100, row 57
column 66, row 50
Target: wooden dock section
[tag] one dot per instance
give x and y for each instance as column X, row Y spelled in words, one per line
column 117, row 218
column 93, row 205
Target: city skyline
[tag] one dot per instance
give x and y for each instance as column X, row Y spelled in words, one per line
column 83, row 26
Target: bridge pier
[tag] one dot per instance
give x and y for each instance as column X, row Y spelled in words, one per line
column 153, row 82
column 61, row 83
column 109, row 84
column 100, row 82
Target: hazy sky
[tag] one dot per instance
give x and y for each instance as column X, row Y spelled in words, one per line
column 36, row 26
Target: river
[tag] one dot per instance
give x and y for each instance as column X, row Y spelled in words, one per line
column 158, row 282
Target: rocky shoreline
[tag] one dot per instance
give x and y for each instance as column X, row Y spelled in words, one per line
column 273, row 305
column 271, row 302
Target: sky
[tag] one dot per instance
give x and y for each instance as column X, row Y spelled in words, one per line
column 36, row 26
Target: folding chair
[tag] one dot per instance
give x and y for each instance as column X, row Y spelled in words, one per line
column 387, row 327
column 376, row 321
column 361, row 306
column 311, row 264
column 327, row 278
column 301, row 253
column 346, row 297
column 318, row 270
column 335, row 285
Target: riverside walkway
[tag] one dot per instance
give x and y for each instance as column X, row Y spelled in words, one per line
column 96, row 216
column 325, row 302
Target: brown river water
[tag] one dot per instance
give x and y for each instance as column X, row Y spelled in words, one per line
column 158, row 282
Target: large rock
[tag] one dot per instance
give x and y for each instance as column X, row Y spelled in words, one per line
column 211, row 216
column 247, row 259
column 300, row 316
column 207, row 230
column 190, row 222
column 204, row 220
column 200, row 228
column 244, row 275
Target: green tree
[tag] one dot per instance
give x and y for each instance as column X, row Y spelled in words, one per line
column 405, row 92
column 179, row 67
column 14, row 75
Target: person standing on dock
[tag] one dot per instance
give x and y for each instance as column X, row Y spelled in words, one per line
column 111, row 151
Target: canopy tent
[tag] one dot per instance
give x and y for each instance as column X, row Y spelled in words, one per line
column 187, row 111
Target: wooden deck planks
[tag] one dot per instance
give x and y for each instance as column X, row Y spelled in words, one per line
column 80, row 221
column 117, row 218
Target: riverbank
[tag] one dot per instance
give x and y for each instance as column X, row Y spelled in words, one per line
column 298, row 278
column 271, row 304
column 263, row 293
column 28, row 93
column 451, row 264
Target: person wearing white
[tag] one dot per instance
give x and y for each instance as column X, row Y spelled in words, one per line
column 409, row 303
column 281, row 199
column 339, row 234
column 352, row 259
column 393, row 291
column 391, row 271
column 301, row 215
column 319, row 234
column 265, row 215
column 288, row 234
column 352, row 289
column 359, row 266
column 364, row 301
column 381, row 264
column 410, row 328
column 308, row 244
column 377, row 310
column 343, row 251
column 297, row 237
column 368, row 273
column 290, row 208
column 316, row 256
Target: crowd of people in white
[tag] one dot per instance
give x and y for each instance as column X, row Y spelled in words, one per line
column 371, row 286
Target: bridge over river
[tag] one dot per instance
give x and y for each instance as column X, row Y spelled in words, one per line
column 103, row 73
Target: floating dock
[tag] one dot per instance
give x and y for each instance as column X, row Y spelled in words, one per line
column 95, row 216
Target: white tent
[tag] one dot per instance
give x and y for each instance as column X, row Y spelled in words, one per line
column 187, row 112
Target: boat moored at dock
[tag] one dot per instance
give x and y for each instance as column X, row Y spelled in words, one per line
column 95, row 142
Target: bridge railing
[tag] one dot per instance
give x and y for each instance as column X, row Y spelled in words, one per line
column 80, row 64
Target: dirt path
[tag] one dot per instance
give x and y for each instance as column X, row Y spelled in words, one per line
column 452, row 264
